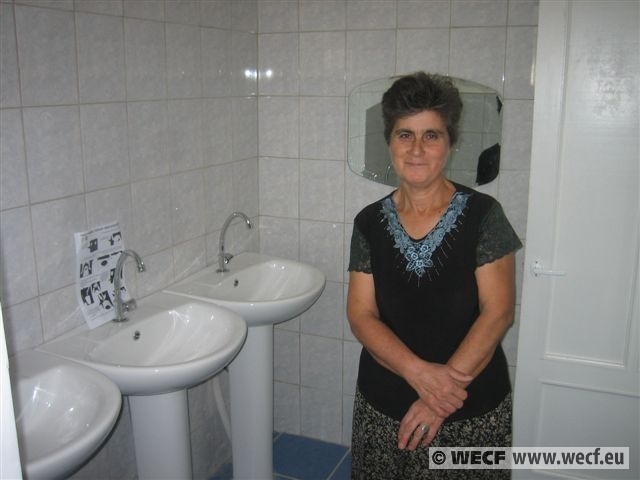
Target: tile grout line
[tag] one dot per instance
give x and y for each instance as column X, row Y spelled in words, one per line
column 340, row 462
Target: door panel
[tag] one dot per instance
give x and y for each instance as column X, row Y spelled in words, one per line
column 577, row 376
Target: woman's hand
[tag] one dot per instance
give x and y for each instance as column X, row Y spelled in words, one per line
column 419, row 425
column 441, row 387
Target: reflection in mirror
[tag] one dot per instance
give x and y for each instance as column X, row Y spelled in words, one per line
column 475, row 158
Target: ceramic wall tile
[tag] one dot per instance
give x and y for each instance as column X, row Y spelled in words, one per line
column 279, row 126
column 189, row 257
column 351, row 360
column 321, row 245
column 22, row 325
column 10, row 91
column 218, row 196
column 216, row 13
column 347, row 419
column 412, row 55
column 147, row 9
column 485, row 13
column 322, row 190
column 184, row 72
column 514, row 193
column 151, row 200
column 54, row 224
column 147, row 134
column 286, row 406
column 217, row 131
column 367, row 15
column 47, row 53
column 280, row 237
column 184, row 134
column 321, row 412
column 424, row 14
column 182, row 11
column 244, row 64
column 279, row 186
column 362, row 47
column 106, row 7
column 322, row 15
column 520, row 62
column 322, row 128
column 216, row 62
column 187, row 212
column 54, row 160
column 324, row 318
column 286, row 353
column 13, row 167
column 60, row 312
column 516, row 128
column 158, row 275
column 145, row 59
column 322, row 63
column 277, row 16
column 112, row 205
column 104, row 145
column 523, row 12
column 244, row 15
column 101, row 75
column 18, row 257
column 320, row 362
column 478, row 54
column 244, row 126
column 278, row 64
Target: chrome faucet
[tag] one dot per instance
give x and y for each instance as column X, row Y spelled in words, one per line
column 123, row 307
column 223, row 257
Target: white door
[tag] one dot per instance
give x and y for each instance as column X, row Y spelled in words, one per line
column 577, row 380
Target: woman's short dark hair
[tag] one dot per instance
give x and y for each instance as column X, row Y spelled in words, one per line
column 420, row 91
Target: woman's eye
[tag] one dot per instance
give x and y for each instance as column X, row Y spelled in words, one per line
column 431, row 136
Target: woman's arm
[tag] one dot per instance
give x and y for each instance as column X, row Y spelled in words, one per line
column 496, row 293
column 440, row 386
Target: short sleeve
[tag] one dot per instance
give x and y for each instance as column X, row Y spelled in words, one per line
column 497, row 237
column 360, row 256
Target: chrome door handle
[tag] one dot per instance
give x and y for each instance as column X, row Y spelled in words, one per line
column 537, row 269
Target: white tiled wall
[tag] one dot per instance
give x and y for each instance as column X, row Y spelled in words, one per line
column 311, row 54
column 168, row 115
column 140, row 111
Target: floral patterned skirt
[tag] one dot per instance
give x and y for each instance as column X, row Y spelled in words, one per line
column 376, row 456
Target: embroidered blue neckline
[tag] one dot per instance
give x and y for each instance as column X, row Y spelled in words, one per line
column 419, row 254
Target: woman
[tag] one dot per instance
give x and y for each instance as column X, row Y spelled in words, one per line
column 431, row 293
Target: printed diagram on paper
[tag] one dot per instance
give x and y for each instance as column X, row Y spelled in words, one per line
column 97, row 253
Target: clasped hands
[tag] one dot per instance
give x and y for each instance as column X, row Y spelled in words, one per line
column 442, row 391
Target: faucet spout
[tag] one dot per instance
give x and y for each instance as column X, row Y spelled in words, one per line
column 123, row 307
column 223, row 257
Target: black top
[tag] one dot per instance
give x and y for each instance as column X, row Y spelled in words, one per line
column 426, row 292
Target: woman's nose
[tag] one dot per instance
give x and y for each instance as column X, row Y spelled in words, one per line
column 416, row 147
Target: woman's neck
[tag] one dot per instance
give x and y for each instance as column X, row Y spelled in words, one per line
column 423, row 200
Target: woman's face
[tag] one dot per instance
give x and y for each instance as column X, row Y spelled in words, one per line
column 419, row 147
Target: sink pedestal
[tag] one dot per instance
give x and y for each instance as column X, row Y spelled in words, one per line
column 161, row 435
column 251, row 393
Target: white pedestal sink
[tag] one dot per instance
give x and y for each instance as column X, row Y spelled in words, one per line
column 64, row 411
column 264, row 290
column 168, row 344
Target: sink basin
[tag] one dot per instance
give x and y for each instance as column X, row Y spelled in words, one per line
column 169, row 343
column 64, row 411
column 263, row 289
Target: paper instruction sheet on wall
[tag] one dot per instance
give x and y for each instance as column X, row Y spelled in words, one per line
column 97, row 253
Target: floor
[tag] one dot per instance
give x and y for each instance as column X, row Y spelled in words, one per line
column 301, row 458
